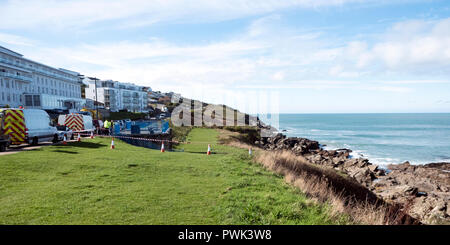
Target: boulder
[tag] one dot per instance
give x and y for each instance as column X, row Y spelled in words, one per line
column 373, row 168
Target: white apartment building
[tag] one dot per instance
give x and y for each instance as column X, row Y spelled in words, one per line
column 116, row 95
column 30, row 84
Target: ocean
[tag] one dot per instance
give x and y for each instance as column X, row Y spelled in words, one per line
column 382, row 138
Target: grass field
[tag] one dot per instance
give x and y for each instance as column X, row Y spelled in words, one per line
column 87, row 183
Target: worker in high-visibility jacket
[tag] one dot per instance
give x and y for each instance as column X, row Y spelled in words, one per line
column 106, row 125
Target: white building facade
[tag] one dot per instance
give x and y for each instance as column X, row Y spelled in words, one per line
column 116, row 95
column 30, row 84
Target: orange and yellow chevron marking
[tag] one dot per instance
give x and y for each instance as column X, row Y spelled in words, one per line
column 14, row 125
column 74, row 122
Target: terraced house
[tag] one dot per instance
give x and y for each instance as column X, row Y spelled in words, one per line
column 117, row 96
column 24, row 82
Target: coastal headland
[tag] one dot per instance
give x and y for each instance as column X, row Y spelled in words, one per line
column 423, row 191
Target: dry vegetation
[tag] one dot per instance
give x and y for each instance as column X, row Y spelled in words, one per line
column 343, row 194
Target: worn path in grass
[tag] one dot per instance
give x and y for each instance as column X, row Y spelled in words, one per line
column 87, row 183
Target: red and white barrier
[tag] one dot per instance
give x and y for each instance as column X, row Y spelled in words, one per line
column 128, row 137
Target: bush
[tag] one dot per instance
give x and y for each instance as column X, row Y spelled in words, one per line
column 247, row 134
column 179, row 133
column 126, row 115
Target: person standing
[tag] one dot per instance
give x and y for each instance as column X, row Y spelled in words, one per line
column 106, row 125
column 111, row 127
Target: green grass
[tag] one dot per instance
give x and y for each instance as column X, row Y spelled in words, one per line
column 87, row 183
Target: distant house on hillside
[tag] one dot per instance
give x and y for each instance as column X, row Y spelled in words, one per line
column 164, row 100
column 117, row 96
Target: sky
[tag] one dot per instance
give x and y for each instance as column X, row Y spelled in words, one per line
column 296, row 56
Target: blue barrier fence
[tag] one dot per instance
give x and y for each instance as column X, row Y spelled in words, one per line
column 141, row 128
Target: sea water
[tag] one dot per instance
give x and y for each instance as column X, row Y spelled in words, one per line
column 382, row 138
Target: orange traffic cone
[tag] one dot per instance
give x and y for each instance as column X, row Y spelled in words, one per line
column 92, row 134
column 78, row 137
column 65, row 140
column 209, row 150
column 112, row 143
column 162, row 147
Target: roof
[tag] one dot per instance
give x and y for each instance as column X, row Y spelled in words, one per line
column 10, row 52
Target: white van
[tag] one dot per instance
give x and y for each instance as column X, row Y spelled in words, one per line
column 38, row 127
column 85, row 122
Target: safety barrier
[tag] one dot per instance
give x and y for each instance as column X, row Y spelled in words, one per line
column 156, row 144
column 129, row 137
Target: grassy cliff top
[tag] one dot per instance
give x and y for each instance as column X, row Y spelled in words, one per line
column 88, row 183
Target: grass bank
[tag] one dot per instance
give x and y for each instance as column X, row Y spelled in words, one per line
column 87, row 183
column 325, row 185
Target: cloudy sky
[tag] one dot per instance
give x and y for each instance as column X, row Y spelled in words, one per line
column 311, row 55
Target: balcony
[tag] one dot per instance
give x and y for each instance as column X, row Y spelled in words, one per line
column 17, row 77
column 34, row 68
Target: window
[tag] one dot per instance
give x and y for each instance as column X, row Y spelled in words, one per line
column 36, row 100
column 28, row 100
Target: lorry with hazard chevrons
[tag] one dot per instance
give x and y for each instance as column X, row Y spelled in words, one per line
column 19, row 126
column 78, row 123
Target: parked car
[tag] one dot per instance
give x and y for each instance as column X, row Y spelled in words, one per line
column 64, row 130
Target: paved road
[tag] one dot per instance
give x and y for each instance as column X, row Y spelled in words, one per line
column 25, row 147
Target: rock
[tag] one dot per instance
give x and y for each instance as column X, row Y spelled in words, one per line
column 424, row 189
column 373, row 168
column 362, row 162
column 410, row 190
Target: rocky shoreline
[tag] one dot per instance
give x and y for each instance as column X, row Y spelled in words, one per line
column 423, row 190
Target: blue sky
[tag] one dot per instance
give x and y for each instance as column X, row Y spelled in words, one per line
column 316, row 56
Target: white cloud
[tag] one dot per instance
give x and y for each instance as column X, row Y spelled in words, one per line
column 57, row 14
column 267, row 56
column 391, row 89
column 412, row 46
column 15, row 40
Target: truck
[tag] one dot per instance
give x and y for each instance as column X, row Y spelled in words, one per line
column 4, row 138
column 25, row 126
column 78, row 123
